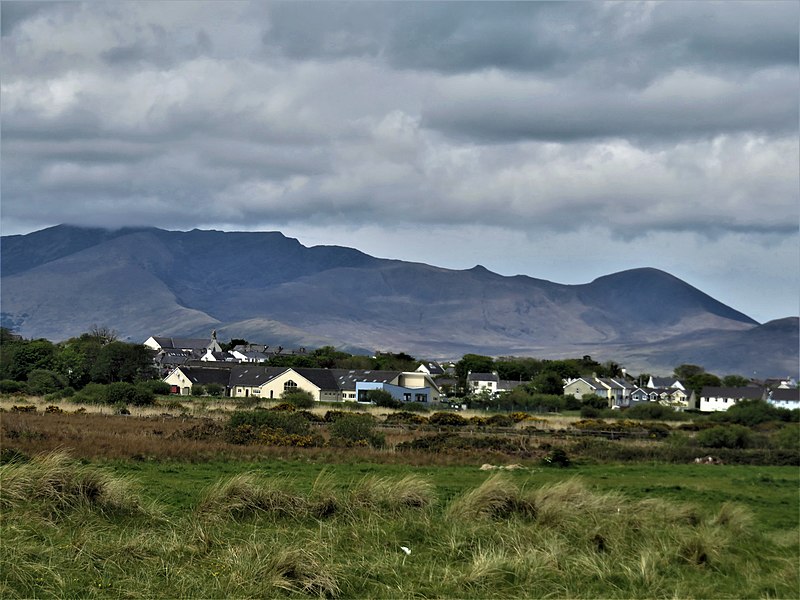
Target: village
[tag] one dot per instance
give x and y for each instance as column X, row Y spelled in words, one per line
column 244, row 372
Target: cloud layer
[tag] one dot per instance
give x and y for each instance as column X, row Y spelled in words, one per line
column 621, row 122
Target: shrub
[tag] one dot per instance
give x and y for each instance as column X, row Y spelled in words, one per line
column 445, row 419
column 158, row 387
column 406, row 417
column 500, row 421
column 754, row 412
column 653, row 410
column 42, row 381
column 354, row 430
column 288, row 422
column 788, row 437
column 215, row 390
column 382, row 398
column 557, row 458
column 594, row 401
column 287, row 406
column 726, row 436
column 298, row 398
column 198, row 390
column 92, row 393
column 9, row 386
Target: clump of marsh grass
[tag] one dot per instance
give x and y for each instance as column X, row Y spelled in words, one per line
column 59, row 484
column 302, row 570
column 247, row 494
column 391, row 494
column 324, row 501
column 496, row 498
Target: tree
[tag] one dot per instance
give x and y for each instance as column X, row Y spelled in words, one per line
column 119, row 361
column 226, row 346
column 382, row 398
column 549, row 382
column 699, row 381
column 20, row 357
column 685, row 371
column 735, row 381
column 42, row 381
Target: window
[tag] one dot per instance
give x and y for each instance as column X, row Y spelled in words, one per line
column 421, row 398
column 407, row 397
column 290, row 386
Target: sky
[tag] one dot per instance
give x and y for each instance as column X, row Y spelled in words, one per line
column 564, row 140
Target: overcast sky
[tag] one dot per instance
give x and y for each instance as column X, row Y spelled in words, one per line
column 564, row 141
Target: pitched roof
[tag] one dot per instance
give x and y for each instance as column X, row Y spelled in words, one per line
column 785, row 394
column 183, row 343
column 482, row 377
column 508, row 384
column 742, row 393
column 206, row 375
column 253, row 376
column 347, row 379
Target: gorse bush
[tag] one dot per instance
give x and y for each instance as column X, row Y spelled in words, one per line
column 446, row 419
column 298, row 399
column 654, row 410
column 288, row 422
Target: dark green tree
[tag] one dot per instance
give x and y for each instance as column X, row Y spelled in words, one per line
column 549, row 382
column 120, row 361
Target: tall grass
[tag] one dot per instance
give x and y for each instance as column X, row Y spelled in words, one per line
column 507, row 537
column 58, row 484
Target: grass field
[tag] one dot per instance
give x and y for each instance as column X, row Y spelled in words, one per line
column 296, row 528
column 137, row 509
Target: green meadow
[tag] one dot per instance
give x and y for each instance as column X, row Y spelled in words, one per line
column 298, row 528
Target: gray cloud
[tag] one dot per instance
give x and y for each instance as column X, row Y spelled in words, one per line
column 538, row 119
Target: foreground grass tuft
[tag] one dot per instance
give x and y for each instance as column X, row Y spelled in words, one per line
column 58, row 484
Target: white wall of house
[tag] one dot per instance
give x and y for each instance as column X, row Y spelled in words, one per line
column 716, row 403
column 178, row 379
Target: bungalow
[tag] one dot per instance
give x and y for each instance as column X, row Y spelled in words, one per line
column 713, row 399
column 272, row 382
column 785, row 398
column 183, row 378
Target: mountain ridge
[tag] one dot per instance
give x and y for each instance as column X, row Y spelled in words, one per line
column 59, row 281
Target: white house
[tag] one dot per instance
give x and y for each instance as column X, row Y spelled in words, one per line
column 785, row 398
column 721, row 398
column 478, row 382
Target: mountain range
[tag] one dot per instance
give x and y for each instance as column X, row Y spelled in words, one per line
column 268, row 288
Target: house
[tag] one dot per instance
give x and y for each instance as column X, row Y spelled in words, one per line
column 665, row 382
column 271, row 383
column 250, row 353
column 506, row 385
column 581, row 387
column 329, row 385
column 197, row 346
column 714, row 399
column 431, row 368
column 478, row 382
column 411, row 386
column 616, row 391
column 211, row 356
column 183, row 378
column 785, row 398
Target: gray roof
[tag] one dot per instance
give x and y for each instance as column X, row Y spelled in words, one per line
column 785, row 394
column 254, row 376
column 433, row 368
column 742, row 393
column 183, row 343
column 482, row 377
column 663, row 382
column 206, row 375
column 508, row 384
column 347, row 379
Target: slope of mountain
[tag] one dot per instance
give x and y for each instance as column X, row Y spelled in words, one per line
column 58, row 282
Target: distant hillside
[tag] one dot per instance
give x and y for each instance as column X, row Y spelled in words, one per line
column 266, row 287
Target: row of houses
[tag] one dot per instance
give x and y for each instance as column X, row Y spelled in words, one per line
column 671, row 392
column 324, row 385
